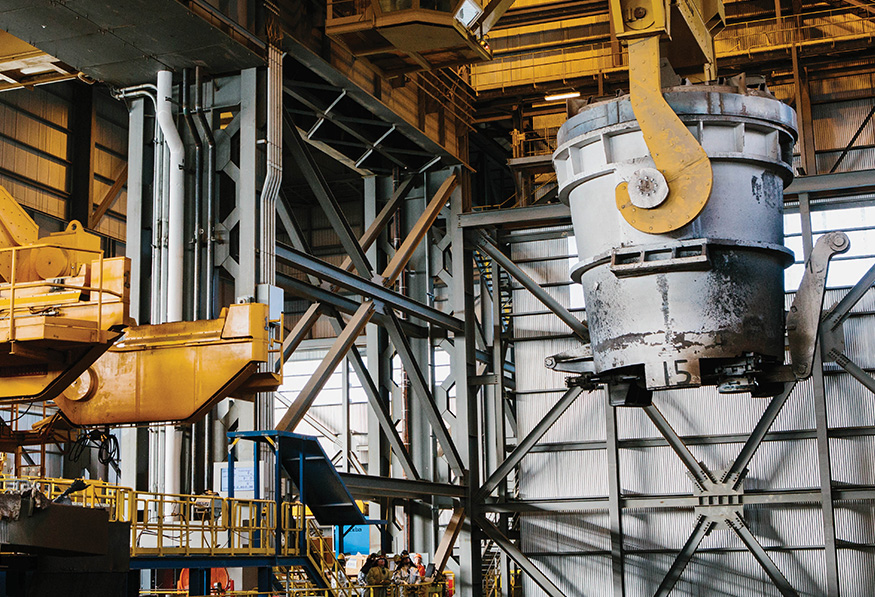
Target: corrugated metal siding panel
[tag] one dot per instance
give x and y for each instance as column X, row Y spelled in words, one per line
column 545, row 475
column 853, row 460
column 574, row 575
column 727, row 574
column 854, row 522
column 856, row 571
column 565, row 533
column 583, row 421
column 836, row 122
column 841, row 88
column 776, row 465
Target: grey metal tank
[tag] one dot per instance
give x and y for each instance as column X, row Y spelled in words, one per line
column 704, row 303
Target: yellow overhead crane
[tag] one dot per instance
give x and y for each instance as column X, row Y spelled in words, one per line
column 65, row 335
column 682, row 30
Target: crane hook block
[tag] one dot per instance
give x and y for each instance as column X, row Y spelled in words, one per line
column 680, row 162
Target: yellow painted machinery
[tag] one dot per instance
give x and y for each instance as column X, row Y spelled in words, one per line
column 174, row 371
column 62, row 305
column 65, row 335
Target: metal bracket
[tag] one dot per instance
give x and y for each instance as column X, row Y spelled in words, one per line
column 686, row 256
column 803, row 321
column 720, row 500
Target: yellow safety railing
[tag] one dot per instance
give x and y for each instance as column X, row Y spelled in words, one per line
column 174, row 525
column 294, row 517
column 210, row 525
column 826, row 26
column 98, row 494
column 421, row 590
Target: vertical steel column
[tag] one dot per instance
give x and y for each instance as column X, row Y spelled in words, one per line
column 465, row 429
column 417, row 284
column 345, row 431
column 377, row 190
column 615, row 509
column 246, row 203
column 134, row 228
column 822, row 421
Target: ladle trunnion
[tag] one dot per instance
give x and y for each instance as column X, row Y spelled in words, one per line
column 676, row 299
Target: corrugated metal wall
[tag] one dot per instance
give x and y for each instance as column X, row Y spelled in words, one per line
column 573, row 548
column 35, row 153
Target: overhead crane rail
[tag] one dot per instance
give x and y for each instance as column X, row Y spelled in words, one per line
column 821, row 29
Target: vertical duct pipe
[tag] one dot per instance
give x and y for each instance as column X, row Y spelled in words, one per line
column 176, row 198
column 198, row 195
column 269, row 194
column 191, row 435
column 175, row 251
column 273, row 179
column 210, row 195
column 213, row 440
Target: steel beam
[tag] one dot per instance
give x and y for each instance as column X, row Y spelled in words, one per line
column 421, row 391
column 739, row 465
column 832, row 184
column 338, row 277
column 301, row 154
column 837, row 315
column 677, row 444
column 854, row 370
column 526, row 445
column 327, row 298
column 299, row 333
column 520, row 558
column 822, row 421
column 419, row 230
column 615, row 508
column 325, row 370
column 700, row 530
column 445, row 548
column 109, row 198
column 370, row 487
column 466, row 429
column 772, row 570
column 578, row 327
column 366, row 99
column 378, row 406
column 382, row 220
column 668, row 502
column 538, row 215
column 350, row 130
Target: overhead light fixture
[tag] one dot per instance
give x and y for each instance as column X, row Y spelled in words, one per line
column 562, row 96
column 468, row 13
column 35, row 70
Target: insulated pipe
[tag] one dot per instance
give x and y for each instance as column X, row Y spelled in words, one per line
column 175, row 251
column 209, row 207
column 176, row 199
